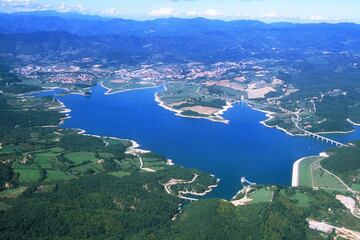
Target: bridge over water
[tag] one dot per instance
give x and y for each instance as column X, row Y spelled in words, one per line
column 307, row 133
column 322, row 138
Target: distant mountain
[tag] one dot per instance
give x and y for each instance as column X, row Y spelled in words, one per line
column 67, row 35
column 85, row 25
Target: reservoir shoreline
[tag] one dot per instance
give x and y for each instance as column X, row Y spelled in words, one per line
column 239, row 157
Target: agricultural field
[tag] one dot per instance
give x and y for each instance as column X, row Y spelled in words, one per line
column 11, row 148
column 78, row 158
column 226, row 92
column 301, row 198
column 46, row 160
column 323, row 179
column 305, row 175
column 4, row 206
column 153, row 163
column 53, row 176
column 345, row 163
column 12, row 193
column 264, row 194
column 120, row 85
column 178, row 92
column 313, row 175
column 120, row 173
column 28, row 175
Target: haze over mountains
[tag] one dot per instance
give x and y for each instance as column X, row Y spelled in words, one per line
column 168, row 39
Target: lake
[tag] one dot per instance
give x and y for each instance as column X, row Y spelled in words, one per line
column 229, row 151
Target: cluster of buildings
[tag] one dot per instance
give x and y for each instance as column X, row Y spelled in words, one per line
column 241, row 72
column 148, row 73
column 58, row 73
column 72, row 78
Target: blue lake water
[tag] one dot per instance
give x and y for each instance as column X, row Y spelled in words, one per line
column 242, row 148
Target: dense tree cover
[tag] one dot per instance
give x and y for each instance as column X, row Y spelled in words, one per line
column 154, row 155
column 13, row 118
column 20, row 88
column 10, row 82
column 78, row 142
column 344, row 162
column 3, row 102
column 193, row 113
column 280, row 219
column 6, row 77
column 7, row 175
column 216, row 103
column 110, row 165
column 94, row 207
column 315, row 79
column 13, row 121
column 137, row 207
column 336, row 111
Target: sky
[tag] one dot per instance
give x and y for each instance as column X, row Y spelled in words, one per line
column 265, row 10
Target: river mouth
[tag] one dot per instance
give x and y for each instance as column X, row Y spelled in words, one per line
column 243, row 148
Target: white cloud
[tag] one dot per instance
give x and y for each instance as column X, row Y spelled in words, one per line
column 67, row 6
column 272, row 14
column 162, row 12
column 22, row 5
column 317, row 18
column 110, row 12
column 33, row 5
column 63, row 7
column 168, row 12
column 191, row 14
column 16, row 2
column 212, row 13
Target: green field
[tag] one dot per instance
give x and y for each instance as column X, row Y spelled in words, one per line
column 17, row 165
column 326, row 181
column 106, row 155
column 313, row 175
column 4, row 206
column 57, row 150
column 178, row 92
column 153, row 163
column 81, row 157
column 57, row 175
column 305, row 173
column 10, row 149
column 126, row 86
column 302, row 199
column 12, row 193
column 46, row 160
column 226, row 92
column 345, row 163
column 45, row 188
column 128, row 163
column 28, row 175
column 96, row 167
column 120, row 173
column 122, row 142
column 356, row 187
column 262, row 195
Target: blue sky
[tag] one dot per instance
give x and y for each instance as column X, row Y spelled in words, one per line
column 266, row 10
